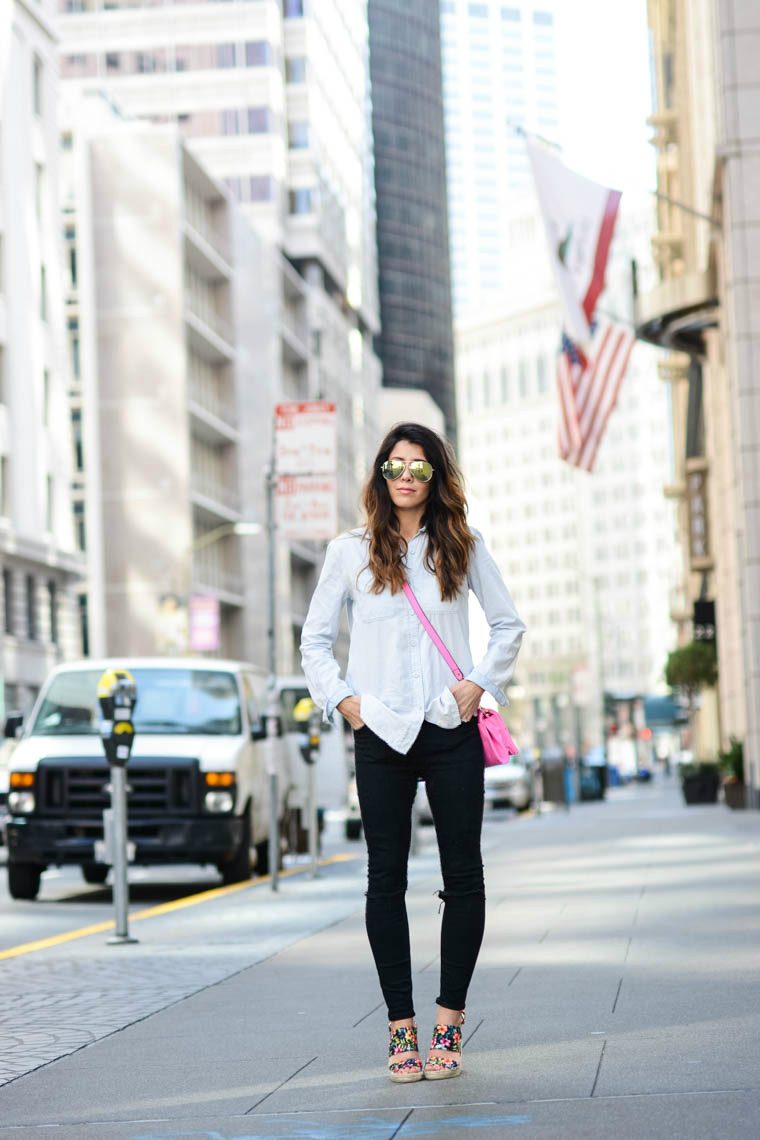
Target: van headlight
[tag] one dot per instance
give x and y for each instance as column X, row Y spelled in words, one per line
column 219, row 801
column 21, row 803
column 20, row 794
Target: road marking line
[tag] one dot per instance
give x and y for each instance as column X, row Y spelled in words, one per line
column 163, row 908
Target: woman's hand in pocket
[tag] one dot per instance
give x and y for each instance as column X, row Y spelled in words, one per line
column 350, row 708
column 467, row 696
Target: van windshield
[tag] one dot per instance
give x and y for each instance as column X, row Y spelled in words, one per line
column 169, row 701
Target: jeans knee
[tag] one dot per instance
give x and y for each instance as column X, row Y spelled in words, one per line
column 386, row 882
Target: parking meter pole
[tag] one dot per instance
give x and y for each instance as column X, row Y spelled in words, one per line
column 117, row 696
column 120, row 884
column 272, row 702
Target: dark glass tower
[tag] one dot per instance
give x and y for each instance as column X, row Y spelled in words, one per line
column 416, row 341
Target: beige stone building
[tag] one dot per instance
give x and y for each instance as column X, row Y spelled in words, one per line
column 40, row 567
column 705, row 312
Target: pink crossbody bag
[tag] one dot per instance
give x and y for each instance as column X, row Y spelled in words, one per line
column 498, row 745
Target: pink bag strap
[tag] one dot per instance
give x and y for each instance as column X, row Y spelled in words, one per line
column 432, row 634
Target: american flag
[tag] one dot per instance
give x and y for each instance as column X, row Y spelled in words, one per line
column 589, row 384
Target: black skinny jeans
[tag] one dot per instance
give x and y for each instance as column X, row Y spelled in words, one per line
column 450, row 760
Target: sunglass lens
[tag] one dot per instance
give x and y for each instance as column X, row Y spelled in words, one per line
column 421, row 470
column 392, row 469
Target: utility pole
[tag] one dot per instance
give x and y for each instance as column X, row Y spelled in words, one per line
column 273, row 704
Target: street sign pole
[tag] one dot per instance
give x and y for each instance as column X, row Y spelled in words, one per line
column 272, row 714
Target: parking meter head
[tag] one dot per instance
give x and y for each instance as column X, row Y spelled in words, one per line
column 117, row 694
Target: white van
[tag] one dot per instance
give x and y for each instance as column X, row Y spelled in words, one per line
column 197, row 774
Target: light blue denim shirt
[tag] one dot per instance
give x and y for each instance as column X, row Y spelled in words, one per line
column 393, row 664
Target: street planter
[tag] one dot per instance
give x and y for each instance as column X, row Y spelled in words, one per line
column 734, row 793
column 700, row 784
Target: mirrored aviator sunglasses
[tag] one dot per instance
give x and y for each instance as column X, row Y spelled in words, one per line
column 420, row 470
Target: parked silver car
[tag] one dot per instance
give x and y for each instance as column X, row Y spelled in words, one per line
column 511, row 785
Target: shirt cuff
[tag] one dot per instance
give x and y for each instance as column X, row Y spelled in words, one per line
column 498, row 694
column 339, row 694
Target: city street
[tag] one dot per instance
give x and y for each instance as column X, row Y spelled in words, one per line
column 615, row 995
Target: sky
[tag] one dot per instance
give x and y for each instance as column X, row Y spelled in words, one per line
column 605, row 91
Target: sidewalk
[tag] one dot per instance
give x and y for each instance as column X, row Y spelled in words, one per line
column 616, row 995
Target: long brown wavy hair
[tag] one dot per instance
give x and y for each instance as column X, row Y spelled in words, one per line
column 450, row 541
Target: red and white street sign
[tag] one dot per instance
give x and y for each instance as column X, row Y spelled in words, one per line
column 307, row 506
column 305, row 438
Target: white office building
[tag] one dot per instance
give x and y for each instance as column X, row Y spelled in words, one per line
column 39, row 564
column 590, row 558
column 272, row 99
column 499, row 75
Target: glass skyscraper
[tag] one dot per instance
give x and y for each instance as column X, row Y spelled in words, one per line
column 410, row 181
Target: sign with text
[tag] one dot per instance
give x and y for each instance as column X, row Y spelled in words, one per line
column 307, row 506
column 204, row 624
column 306, row 438
column 699, row 533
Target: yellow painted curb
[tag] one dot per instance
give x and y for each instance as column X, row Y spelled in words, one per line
column 163, row 908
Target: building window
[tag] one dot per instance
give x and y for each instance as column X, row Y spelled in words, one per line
column 542, row 375
column 80, row 530
column 76, row 436
column 43, row 293
column 225, row 55
column 295, row 69
column 292, row 8
column 478, row 10
column 258, row 53
column 504, row 379
column 8, row 599
column 31, row 608
column 261, row 188
column 84, row 624
column 298, row 135
column 53, row 607
column 486, row 389
column 301, row 200
column 229, row 122
column 39, row 186
column 45, row 398
column 37, row 85
column 514, row 15
column 2, row 375
column 4, row 489
column 49, row 503
column 113, row 61
column 260, row 120
column 522, row 379
column 546, row 19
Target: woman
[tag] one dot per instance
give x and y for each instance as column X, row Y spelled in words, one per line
column 411, row 719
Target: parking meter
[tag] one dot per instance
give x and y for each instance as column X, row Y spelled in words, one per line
column 117, row 694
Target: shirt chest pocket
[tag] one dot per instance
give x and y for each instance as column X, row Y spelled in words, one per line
column 370, row 608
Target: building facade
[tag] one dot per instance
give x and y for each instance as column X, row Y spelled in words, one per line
column 40, row 567
column 499, row 77
column 416, row 341
column 703, row 312
column 273, row 101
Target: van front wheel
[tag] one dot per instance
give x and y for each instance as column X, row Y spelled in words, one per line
column 239, row 867
column 24, row 880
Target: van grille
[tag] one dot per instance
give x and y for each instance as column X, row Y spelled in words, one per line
column 77, row 788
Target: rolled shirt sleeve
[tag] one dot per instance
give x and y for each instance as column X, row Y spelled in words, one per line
column 494, row 671
column 320, row 632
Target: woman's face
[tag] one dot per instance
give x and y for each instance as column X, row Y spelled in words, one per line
column 406, row 492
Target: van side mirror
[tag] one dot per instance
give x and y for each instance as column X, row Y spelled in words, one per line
column 13, row 724
column 258, row 730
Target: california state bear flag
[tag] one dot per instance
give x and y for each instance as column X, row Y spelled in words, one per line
column 579, row 216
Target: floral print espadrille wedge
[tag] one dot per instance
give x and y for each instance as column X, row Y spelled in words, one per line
column 404, row 1040
column 446, row 1038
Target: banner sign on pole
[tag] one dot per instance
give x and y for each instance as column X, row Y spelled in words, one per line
column 307, row 506
column 305, row 438
column 204, row 624
column 306, row 460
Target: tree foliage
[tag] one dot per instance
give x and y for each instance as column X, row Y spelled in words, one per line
column 692, row 667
